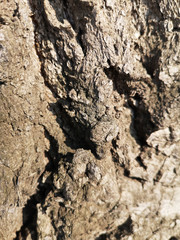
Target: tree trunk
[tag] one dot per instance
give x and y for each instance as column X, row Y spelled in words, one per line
column 90, row 119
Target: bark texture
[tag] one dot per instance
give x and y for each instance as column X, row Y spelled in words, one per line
column 90, row 119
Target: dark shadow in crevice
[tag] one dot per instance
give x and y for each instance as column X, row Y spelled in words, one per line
column 126, row 229
column 29, row 226
column 29, row 221
column 140, row 180
column 127, row 174
column 151, row 62
column 120, row 80
column 2, row 21
column 16, row 12
column 155, row 10
column 141, row 124
column 140, row 161
column 115, row 156
column 104, row 236
column 77, row 134
column 2, row 83
column 79, row 38
column 173, row 238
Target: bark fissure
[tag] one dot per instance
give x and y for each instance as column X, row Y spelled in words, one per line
column 90, row 113
column 44, row 187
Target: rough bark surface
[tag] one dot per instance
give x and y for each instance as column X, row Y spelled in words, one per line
column 90, row 119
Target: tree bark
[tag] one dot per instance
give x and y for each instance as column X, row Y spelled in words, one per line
column 90, row 119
